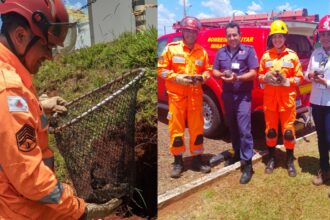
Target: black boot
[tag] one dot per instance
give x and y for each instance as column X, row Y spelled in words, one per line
column 271, row 161
column 199, row 166
column 290, row 158
column 247, row 171
column 235, row 158
column 177, row 167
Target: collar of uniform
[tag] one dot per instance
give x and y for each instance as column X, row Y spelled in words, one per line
column 239, row 48
column 273, row 51
column 8, row 57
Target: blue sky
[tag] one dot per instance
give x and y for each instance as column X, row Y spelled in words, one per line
column 76, row 4
column 170, row 11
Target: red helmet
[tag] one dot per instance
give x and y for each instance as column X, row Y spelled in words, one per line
column 48, row 19
column 324, row 24
column 190, row 23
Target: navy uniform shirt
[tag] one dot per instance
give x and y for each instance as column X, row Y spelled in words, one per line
column 240, row 62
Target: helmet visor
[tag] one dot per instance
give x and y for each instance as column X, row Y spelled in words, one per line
column 62, row 33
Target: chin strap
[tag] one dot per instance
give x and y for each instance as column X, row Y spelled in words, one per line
column 21, row 57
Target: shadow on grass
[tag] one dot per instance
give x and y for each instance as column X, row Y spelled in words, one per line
column 309, row 164
column 280, row 159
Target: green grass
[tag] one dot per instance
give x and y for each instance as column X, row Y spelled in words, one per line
column 77, row 73
column 61, row 172
column 73, row 75
column 275, row 196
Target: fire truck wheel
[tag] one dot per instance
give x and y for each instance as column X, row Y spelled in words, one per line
column 213, row 121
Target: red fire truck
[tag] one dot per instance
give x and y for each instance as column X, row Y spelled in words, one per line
column 255, row 30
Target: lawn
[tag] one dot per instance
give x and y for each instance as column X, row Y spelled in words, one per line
column 275, row 196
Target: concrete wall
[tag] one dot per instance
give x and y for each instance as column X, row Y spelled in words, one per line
column 151, row 14
column 110, row 18
column 83, row 35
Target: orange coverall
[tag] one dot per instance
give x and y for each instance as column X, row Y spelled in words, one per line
column 28, row 186
column 280, row 101
column 185, row 101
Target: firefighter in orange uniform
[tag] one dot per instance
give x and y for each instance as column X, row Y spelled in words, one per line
column 280, row 72
column 29, row 188
column 184, row 66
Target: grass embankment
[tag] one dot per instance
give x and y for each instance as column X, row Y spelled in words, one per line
column 275, row 196
column 75, row 74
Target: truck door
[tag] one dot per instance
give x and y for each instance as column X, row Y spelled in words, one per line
column 162, row 42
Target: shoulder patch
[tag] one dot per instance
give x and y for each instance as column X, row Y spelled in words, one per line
column 17, row 104
column 241, row 52
column 26, row 138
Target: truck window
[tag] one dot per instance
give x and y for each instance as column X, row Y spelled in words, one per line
column 299, row 43
column 161, row 45
column 177, row 38
column 163, row 42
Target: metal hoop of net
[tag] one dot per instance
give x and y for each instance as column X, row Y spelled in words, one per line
column 96, row 139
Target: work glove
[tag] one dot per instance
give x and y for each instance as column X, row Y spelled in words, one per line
column 270, row 78
column 196, row 79
column 199, row 79
column 99, row 211
column 183, row 79
column 281, row 80
column 52, row 104
column 206, row 75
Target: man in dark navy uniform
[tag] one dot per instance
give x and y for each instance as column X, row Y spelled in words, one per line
column 236, row 65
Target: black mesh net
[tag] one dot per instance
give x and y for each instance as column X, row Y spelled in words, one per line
column 96, row 139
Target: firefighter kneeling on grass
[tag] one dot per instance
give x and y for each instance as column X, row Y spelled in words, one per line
column 280, row 72
column 184, row 66
column 29, row 188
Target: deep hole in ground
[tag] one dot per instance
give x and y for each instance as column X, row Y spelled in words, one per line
column 143, row 205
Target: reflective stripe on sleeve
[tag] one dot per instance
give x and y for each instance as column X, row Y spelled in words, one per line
column 198, row 151
column 55, row 196
column 297, row 79
column 165, row 73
